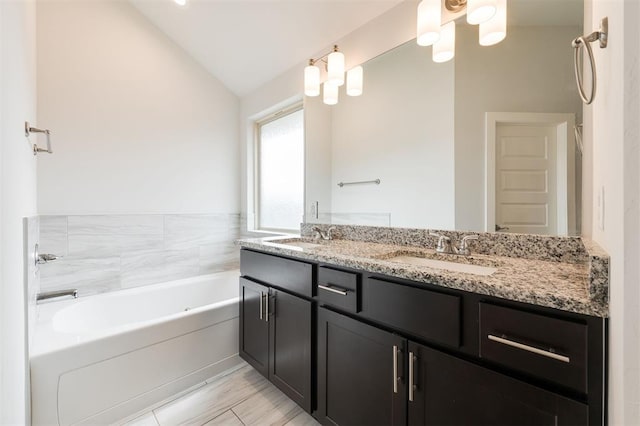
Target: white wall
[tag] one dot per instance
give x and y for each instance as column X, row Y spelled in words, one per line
column 613, row 139
column 512, row 79
column 138, row 126
column 17, row 199
column 401, row 132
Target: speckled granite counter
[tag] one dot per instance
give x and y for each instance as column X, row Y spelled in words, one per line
column 577, row 283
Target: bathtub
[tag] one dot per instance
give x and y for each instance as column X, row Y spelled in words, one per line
column 99, row 359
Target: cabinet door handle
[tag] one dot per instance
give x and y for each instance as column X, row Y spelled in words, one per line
column 412, row 386
column 333, row 289
column 261, row 300
column 528, row 348
column 266, row 307
column 396, row 378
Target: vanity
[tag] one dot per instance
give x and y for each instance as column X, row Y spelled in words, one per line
column 366, row 329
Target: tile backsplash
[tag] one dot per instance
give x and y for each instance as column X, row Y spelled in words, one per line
column 101, row 253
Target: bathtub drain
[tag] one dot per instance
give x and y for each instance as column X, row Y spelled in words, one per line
column 186, row 309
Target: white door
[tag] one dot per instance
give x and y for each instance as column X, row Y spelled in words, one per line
column 526, row 181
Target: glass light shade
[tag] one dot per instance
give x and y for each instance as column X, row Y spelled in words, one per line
column 329, row 93
column 311, row 80
column 335, row 68
column 495, row 29
column 479, row 11
column 445, row 48
column 429, row 21
column 354, row 81
column 181, row 2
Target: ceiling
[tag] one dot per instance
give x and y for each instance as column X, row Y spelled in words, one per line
column 246, row 43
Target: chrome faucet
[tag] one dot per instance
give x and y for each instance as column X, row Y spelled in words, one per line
column 72, row 292
column 444, row 244
column 463, row 248
column 319, row 233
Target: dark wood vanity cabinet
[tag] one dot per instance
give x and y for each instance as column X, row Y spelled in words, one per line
column 360, row 373
column 451, row 391
column 276, row 331
column 389, row 351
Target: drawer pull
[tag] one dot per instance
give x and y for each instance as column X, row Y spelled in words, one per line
column 528, row 348
column 333, row 289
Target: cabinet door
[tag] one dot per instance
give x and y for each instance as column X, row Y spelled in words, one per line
column 290, row 346
column 449, row 391
column 254, row 328
column 358, row 381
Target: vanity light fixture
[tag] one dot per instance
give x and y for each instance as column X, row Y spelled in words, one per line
column 491, row 15
column 329, row 93
column 445, row 48
column 354, row 81
column 335, row 67
column 429, row 22
column 494, row 30
column 479, row 11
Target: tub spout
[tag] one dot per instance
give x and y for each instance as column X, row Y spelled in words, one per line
column 48, row 295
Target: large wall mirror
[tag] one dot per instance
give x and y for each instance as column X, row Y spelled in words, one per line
column 483, row 142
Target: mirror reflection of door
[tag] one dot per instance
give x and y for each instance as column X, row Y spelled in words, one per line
column 530, row 173
column 526, row 178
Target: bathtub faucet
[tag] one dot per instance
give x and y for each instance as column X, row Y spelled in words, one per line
column 73, row 292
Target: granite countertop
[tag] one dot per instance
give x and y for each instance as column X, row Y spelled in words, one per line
column 574, row 287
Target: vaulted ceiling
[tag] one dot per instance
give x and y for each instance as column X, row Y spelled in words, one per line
column 246, row 43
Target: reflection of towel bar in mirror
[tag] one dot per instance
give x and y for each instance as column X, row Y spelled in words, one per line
column 376, row 181
column 28, row 130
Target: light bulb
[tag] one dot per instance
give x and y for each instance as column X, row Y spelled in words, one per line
column 329, row 93
column 495, row 29
column 311, row 80
column 335, row 68
column 354, row 81
column 429, row 21
column 479, row 11
column 445, row 48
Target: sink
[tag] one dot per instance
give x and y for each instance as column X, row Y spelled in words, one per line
column 466, row 268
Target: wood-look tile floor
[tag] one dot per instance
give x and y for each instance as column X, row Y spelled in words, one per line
column 242, row 397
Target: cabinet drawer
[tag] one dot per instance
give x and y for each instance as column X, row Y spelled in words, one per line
column 339, row 288
column 284, row 273
column 550, row 348
column 431, row 315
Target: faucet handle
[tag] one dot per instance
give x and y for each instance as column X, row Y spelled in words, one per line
column 441, row 237
column 464, row 247
column 444, row 243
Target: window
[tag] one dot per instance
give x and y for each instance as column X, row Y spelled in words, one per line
column 280, row 171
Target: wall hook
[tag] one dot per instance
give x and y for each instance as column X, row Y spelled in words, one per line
column 27, row 132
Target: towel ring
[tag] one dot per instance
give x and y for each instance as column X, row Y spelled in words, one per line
column 578, row 43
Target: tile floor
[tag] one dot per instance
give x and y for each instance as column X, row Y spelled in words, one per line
column 242, row 397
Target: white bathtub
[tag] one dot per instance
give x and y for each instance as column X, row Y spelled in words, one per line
column 98, row 359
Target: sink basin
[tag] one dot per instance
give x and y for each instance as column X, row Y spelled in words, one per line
column 443, row 264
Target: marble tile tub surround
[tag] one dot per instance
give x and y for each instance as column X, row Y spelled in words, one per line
column 103, row 253
column 575, row 283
